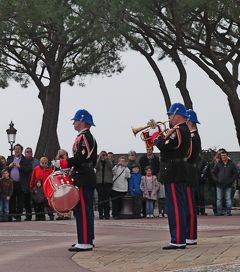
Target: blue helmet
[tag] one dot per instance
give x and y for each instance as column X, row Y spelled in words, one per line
column 192, row 116
column 177, row 109
column 83, row 116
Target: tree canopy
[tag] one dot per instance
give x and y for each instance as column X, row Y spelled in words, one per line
column 58, row 41
column 204, row 31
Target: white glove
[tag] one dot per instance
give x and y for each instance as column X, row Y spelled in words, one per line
column 152, row 131
column 56, row 163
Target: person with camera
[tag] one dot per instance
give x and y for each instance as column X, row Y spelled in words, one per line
column 121, row 174
column 104, row 184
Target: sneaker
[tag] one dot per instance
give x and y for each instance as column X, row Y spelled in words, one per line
column 151, row 216
column 148, row 216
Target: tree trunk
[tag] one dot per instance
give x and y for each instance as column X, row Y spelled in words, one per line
column 234, row 104
column 154, row 66
column 48, row 143
column 161, row 82
column 182, row 83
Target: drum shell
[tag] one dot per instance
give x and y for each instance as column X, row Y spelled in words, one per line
column 60, row 192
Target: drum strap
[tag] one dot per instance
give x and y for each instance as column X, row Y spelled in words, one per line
column 90, row 153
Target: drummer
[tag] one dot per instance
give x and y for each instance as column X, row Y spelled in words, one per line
column 83, row 163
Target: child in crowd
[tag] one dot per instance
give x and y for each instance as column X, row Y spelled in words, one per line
column 149, row 186
column 6, row 191
column 3, row 164
column 161, row 200
column 39, row 200
column 42, row 171
column 134, row 189
column 62, row 154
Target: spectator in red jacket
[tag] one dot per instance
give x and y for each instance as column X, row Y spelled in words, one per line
column 41, row 171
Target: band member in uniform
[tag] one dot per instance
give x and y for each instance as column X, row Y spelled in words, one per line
column 83, row 162
column 193, row 160
column 174, row 148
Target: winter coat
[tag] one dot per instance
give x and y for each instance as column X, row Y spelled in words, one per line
column 152, row 184
column 150, row 161
column 120, row 178
column 38, row 195
column 39, row 173
column 161, row 192
column 6, row 187
column 134, row 185
column 105, row 176
column 225, row 174
column 24, row 170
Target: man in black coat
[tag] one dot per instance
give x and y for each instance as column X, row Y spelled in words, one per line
column 149, row 159
column 193, row 176
column 224, row 173
column 19, row 168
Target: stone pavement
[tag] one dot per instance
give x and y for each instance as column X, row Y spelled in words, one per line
column 132, row 249
column 120, row 245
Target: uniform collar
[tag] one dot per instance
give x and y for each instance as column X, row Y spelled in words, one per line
column 81, row 131
column 180, row 124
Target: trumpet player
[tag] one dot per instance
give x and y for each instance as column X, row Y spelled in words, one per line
column 174, row 147
column 193, row 160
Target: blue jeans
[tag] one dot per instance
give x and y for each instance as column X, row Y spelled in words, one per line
column 149, row 206
column 4, row 208
column 227, row 194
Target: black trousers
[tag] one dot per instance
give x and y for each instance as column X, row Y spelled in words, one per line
column 104, row 193
column 16, row 201
column 27, row 205
column 117, row 202
column 200, row 198
column 39, row 210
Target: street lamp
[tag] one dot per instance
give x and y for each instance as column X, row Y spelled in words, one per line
column 11, row 133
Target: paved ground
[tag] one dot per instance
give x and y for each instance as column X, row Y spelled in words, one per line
column 121, row 245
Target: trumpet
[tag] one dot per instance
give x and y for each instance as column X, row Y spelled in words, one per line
column 145, row 131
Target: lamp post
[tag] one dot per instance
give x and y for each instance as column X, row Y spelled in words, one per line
column 11, row 134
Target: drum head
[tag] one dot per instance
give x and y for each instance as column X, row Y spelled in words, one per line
column 65, row 198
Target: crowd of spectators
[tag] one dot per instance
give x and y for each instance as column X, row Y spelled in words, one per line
column 22, row 177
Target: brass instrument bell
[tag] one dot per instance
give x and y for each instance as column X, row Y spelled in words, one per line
column 145, row 131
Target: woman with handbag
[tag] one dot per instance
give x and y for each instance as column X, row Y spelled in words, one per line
column 121, row 174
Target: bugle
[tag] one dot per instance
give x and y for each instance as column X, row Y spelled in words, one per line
column 145, row 131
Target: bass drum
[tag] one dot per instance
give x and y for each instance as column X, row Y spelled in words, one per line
column 60, row 191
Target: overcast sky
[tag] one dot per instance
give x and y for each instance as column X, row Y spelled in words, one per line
column 117, row 103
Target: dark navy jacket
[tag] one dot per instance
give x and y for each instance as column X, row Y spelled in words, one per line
column 84, row 159
column 174, row 148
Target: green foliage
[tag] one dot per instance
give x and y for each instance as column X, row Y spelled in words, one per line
column 57, row 38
